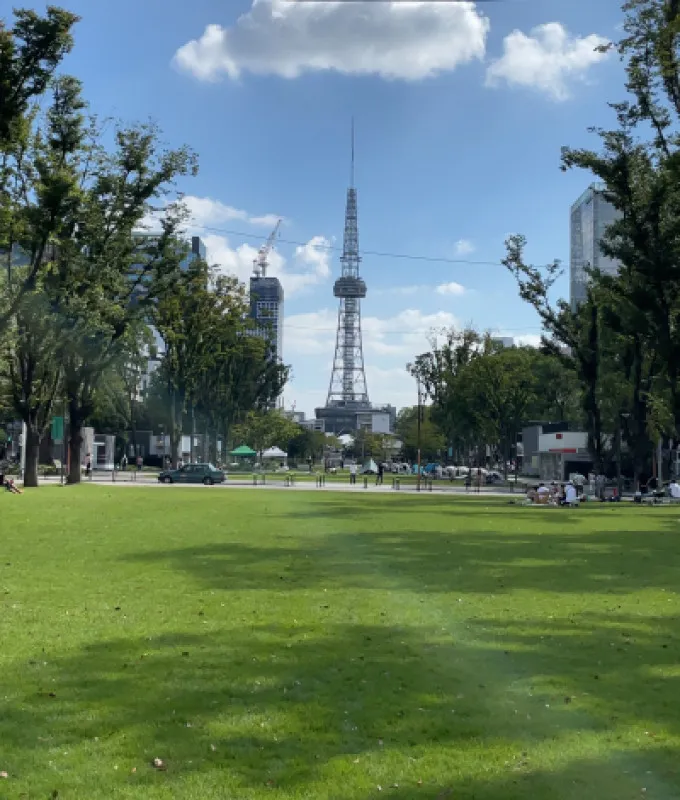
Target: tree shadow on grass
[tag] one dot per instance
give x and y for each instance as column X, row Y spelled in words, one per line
column 347, row 707
column 620, row 666
column 268, row 704
column 487, row 562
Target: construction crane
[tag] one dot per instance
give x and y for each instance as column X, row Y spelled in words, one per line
column 260, row 263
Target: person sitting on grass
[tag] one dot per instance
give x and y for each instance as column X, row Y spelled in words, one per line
column 11, row 487
column 570, row 495
column 674, row 490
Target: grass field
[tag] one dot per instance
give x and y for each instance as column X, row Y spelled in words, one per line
column 299, row 645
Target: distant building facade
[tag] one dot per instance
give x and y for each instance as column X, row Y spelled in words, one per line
column 266, row 309
column 591, row 214
column 350, row 417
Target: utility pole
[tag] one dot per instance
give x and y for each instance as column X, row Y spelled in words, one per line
column 419, row 420
column 193, row 432
column 63, row 443
column 619, row 480
column 24, row 437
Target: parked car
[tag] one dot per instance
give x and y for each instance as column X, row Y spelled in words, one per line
column 193, row 473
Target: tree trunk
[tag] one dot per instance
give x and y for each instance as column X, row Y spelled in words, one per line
column 133, row 435
column 175, row 441
column 32, row 445
column 75, row 443
column 175, row 429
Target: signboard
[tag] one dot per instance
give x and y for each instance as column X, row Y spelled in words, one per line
column 57, row 430
column 562, row 450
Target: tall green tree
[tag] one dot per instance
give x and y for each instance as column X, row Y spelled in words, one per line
column 264, row 429
column 104, row 279
column 29, row 364
column 500, row 390
column 629, row 325
column 432, row 439
column 439, row 372
column 30, row 52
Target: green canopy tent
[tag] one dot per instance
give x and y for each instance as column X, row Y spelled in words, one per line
column 243, row 450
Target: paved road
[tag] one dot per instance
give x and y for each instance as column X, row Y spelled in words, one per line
column 277, row 484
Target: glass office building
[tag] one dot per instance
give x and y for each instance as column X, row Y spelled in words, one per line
column 591, row 214
column 266, row 308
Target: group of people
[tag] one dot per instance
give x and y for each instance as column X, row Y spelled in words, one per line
column 353, row 470
column 556, row 494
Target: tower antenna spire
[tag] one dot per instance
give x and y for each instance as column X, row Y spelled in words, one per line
column 351, row 174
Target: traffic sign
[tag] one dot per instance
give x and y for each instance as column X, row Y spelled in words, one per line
column 57, row 430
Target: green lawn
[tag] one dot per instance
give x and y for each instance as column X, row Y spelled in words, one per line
column 335, row 647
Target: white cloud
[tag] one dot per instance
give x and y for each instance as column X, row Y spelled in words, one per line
column 403, row 335
column 389, row 344
column 464, row 247
column 395, row 40
column 452, row 288
column 528, row 339
column 547, row 60
column 206, row 212
column 404, row 291
column 309, row 265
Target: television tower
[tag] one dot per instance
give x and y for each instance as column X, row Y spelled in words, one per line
column 348, row 378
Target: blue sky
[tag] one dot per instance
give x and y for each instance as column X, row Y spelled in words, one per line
column 460, row 113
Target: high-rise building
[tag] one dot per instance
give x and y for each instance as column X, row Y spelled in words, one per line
column 266, row 308
column 591, row 214
column 197, row 250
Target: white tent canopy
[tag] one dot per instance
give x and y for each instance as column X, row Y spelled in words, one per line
column 274, row 452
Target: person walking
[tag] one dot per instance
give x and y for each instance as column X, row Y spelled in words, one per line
column 352, row 473
column 380, row 476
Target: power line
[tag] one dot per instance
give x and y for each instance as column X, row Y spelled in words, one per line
column 411, row 330
column 335, row 248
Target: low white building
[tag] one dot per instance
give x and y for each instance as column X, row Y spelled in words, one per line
column 562, row 453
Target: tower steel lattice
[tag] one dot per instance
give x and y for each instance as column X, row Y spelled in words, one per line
column 348, row 378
